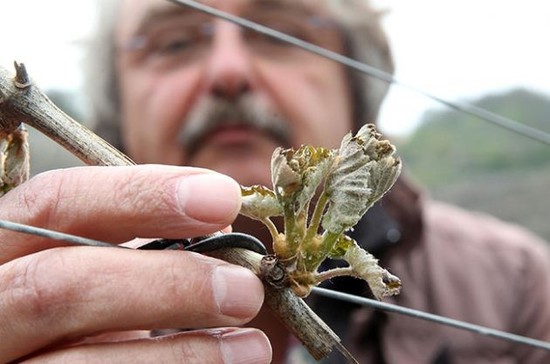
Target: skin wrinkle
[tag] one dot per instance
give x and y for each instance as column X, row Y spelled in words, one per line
column 186, row 351
column 169, row 11
column 160, row 196
column 218, row 290
column 159, row 15
column 173, row 279
column 42, row 204
column 121, row 192
column 133, row 196
column 37, row 206
column 164, row 12
column 23, row 293
column 47, row 303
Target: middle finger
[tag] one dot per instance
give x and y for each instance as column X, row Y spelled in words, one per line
column 72, row 292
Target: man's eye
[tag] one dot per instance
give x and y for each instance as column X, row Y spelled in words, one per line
column 174, row 44
column 176, row 39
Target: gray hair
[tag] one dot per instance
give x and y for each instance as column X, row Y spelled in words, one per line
column 364, row 37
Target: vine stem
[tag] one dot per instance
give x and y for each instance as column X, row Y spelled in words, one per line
column 271, row 227
column 316, row 217
column 22, row 102
column 290, row 230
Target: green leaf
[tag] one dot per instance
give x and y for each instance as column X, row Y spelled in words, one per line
column 343, row 244
column 296, row 174
column 259, row 203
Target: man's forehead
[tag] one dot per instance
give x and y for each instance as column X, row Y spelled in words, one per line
column 220, row 3
column 134, row 12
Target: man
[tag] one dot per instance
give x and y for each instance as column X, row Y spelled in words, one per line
column 182, row 88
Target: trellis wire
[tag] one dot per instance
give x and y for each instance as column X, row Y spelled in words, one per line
column 431, row 317
column 50, row 234
column 77, row 240
column 483, row 114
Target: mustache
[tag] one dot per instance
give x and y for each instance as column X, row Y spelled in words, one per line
column 212, row 113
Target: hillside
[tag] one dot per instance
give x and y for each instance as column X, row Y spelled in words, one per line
column 475, row 164
column 518, row 197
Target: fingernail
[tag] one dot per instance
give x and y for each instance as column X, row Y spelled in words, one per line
column 211, row 197
column 237, row 291
column 245, row 346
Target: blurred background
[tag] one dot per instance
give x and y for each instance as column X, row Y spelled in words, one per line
column 490, row 53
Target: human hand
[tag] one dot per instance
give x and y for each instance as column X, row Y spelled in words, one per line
column 54, row 301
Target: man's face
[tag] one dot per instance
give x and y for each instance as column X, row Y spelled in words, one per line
column 201, row 91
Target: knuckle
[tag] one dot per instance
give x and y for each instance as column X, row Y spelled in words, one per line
column 198, row 283
column 139, row 191
column 35, row 291
column 40, row 196
column 131, row 196
column 193, row 292
column 201, row 346
column 189, row 352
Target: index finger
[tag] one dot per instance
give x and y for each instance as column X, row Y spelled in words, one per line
column 116, row 204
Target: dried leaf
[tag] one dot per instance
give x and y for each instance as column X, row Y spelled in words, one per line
column 14, row 159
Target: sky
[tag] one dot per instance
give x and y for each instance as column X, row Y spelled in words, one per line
column 456, row 49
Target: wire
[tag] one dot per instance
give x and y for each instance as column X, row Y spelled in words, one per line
column 432, row 318
column 206, row 244
column 483, row 114
column 54, row 235
column 73, row 239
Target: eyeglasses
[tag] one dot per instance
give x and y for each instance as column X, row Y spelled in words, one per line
column 186, row 38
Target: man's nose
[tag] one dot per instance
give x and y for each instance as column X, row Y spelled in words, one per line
column 229, row 66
